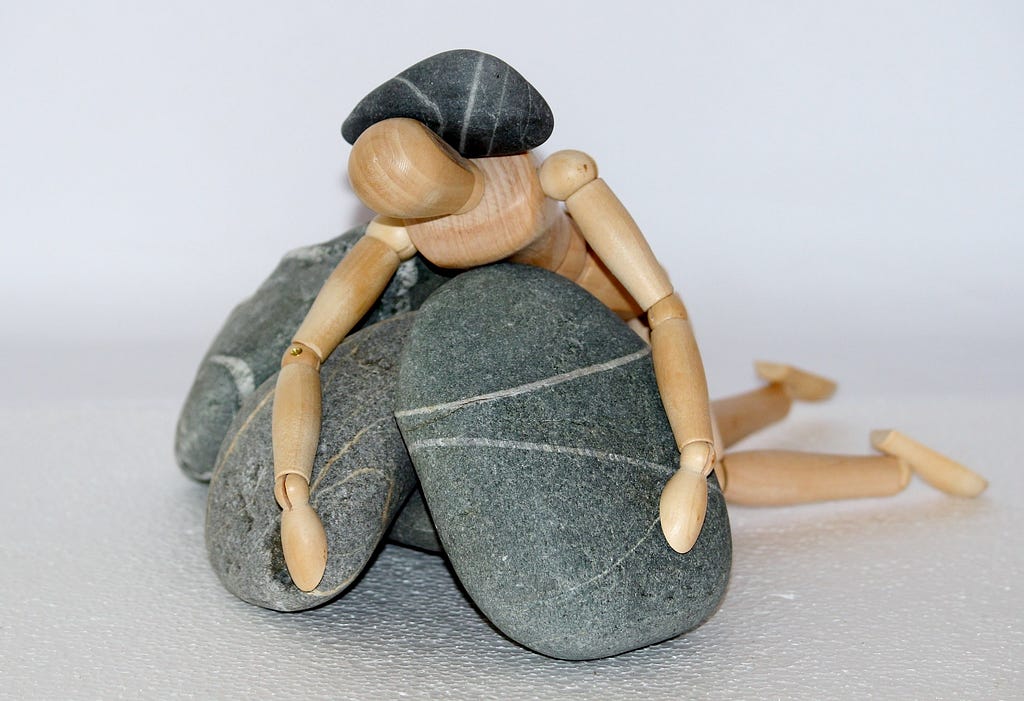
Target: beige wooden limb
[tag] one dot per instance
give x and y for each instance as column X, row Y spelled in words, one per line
column 295, row 432
column 617, row 241
column 392, row 233
column 778, row 477
column 400, row 168
column 349, row 292
column 681, row 382
column 354, row 286
column 596, row 279
column 800, row 384
column 606, row 225
column 680, row 377
column 296, row 414
column 743, row 414
column 934, row 468
column 303, row 539
column 682, row 508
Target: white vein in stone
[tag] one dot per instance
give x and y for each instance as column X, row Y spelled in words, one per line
column 241, row 373
column 405, row 279
column 470, row 102
column 424, row 98
column 497, row 115
column 622, row 558
column 315, row 253
column 471, row 442
column 529, row 386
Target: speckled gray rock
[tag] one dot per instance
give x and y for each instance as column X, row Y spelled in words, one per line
column 476, row 102
column 534, row 421
column 413, row 526
column 361, row 476
column 248, row 348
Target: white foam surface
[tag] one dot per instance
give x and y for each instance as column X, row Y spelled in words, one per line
column 107, row 591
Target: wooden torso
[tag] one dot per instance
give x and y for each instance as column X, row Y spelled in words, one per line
column 514, row 221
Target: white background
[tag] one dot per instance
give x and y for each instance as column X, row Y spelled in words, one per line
column 836, row 185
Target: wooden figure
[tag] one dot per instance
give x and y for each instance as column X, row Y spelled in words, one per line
column 442, row 193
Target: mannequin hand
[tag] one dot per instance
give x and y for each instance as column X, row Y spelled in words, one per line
column 684, row 501
column 302, row 534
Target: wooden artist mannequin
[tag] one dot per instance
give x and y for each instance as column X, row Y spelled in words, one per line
column 460, row 213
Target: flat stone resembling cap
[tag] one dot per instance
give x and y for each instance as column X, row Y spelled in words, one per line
column 477, row 103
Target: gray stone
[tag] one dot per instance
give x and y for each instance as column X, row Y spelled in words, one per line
column 248, row 348
column 535, row 424
column 361, row 476
column 413, row 526
column 476, row 102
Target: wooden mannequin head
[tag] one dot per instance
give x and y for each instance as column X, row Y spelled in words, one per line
column 459, row 212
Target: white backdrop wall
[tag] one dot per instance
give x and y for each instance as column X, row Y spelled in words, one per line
column 838, row 185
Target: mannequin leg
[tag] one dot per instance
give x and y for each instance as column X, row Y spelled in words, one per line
column 743, row 414
column 782, row 477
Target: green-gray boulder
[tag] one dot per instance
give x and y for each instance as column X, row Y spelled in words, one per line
column 534, row 421
column 361, row 476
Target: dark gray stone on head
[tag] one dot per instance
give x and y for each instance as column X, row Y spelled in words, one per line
column 361, row 477
column 533, row 418
column 477, row 103
column 248, row 348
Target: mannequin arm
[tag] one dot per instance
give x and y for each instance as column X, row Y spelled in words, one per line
column 614, row 237
column 350, row 291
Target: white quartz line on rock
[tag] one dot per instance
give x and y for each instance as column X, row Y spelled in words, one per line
column 529, row 386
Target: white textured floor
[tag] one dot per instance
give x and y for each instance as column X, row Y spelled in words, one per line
column 107, row 592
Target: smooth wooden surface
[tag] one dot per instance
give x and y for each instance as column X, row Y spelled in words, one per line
column 564, row 172
column 349, row 292
column 400, row 168
column 670, row 307
column 603, row 247
column 680, row 375
column 596, row 279
column 560, row 249
column 512, row 213
column 741, row 415
column 295, row 433
column 799, row 384
column 577, row 253
column 681, row 382
column 616, row 239
column 303, row 539
column 296, row 420
column 782, row 477
column 933, row 467
column 682, row 508
column 393, row 234
column 352, row 288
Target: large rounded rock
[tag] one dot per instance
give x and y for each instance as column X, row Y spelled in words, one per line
column 248, row 348
column 413, row 526
column 535, row 424
column 361, row 476
column 476, row 102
